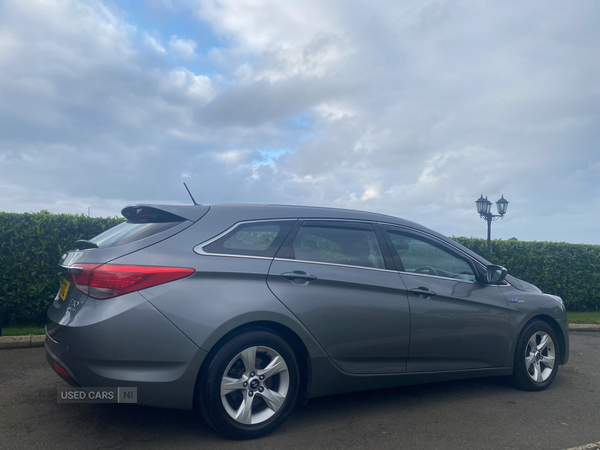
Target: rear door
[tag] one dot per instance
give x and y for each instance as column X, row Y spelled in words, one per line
column 457, row 321
column 339, row 281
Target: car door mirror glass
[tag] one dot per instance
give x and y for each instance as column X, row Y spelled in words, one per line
column 495, row 274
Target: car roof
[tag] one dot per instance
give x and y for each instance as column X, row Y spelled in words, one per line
column 254, row 211
column 272, row 211
column 238, row 212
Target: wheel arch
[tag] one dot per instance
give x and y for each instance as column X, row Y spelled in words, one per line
column 286, row 333
column 555, row 327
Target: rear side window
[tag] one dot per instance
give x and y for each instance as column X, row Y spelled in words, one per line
column 130, row 232
column 251, row 239
column 142, row 222
column 348, row 244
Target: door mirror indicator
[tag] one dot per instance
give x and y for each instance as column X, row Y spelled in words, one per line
column 495, row 274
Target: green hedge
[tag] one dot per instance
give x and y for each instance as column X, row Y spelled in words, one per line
column 571, row 271
column 30, row 246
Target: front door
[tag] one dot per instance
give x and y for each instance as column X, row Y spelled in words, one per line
column 457, row 321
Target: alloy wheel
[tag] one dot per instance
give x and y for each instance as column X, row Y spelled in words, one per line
column 254, row 385
column 540, row 356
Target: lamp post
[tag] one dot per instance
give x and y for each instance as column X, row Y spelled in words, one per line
column 484, row 208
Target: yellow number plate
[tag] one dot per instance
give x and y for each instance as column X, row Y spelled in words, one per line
column 64, row 287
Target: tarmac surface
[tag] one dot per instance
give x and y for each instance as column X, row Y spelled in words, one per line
column 472, row 414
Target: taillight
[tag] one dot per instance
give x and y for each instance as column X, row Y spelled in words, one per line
column 110, row 280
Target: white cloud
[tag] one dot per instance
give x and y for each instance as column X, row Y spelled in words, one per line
column 259, row 25
column 411, row 108
column 294, row 38
column 188, row 84
column 233, row 156
column 184, row 48
column 372, row 191
column 154, row 44
column 335, row 111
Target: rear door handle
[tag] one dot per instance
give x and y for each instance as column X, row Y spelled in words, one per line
column 423, row 292
column 299, row 277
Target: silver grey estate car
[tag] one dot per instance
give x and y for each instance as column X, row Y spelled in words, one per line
column 244, row 311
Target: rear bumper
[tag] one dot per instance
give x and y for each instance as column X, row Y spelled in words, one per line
column 58, row 366
column 126, row 342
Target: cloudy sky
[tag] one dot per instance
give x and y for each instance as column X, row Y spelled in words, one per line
column 410, row 108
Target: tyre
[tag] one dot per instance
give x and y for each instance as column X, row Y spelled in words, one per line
column 250, row 385
column 536, row 357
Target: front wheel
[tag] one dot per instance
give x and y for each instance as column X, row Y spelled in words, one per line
column 536, row 357
column 250, row 386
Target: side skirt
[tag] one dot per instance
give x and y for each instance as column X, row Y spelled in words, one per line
column 327, row 379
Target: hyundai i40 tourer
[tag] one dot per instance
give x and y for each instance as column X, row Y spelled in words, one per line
column 244, row 311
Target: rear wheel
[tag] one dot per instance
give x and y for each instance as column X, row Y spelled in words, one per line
column 250, row 386
column 536, row 357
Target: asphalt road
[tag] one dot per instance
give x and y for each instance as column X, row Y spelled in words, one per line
column 472, row 414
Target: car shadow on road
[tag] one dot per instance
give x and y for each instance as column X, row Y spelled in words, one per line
column 135, row 424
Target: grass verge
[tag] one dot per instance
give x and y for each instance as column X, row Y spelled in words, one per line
column 22, row 331
column 583, row 317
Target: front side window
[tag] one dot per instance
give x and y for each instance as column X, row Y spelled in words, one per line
column 251, row 239
column 338, row 244
column 420, row 256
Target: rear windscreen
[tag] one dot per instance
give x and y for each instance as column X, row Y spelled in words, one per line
column 130, row 232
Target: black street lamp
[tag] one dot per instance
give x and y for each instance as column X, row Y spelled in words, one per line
column 484, row 208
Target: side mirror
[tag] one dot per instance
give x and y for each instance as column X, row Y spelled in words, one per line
column 495, row 274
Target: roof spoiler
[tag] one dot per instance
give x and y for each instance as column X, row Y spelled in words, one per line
column 146, row 213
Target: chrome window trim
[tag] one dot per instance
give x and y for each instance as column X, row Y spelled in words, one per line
column 335, row 264
column 436, row 276
column 233, row 256
column 326, row 219
column 453, row 279
column 199, row 248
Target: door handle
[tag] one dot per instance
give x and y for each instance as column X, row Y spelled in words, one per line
column 299, row 277
column 423, row 292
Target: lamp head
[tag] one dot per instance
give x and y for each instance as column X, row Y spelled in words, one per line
column 481, row 204
column 502, row 206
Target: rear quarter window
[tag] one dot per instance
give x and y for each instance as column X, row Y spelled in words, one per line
column 250, row 239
